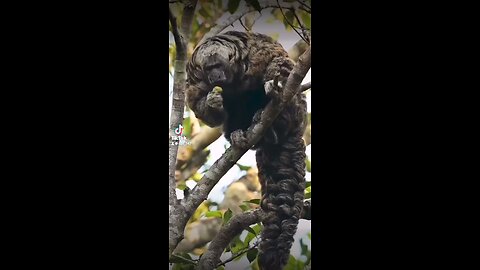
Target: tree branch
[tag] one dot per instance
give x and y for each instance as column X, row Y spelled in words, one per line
column 291, row 24
column 176, row 34
column 305, row 6
column 178, row 102
column 297, row 49
column 181, row 213
column 237, row 255
column 235, row 226
column 239, row 14
column 211, row 258
column 306, row 86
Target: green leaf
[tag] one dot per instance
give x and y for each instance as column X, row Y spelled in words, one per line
column 254, row 201
column 256, row 231
column 309, row 165
column 233, row 5
column 292, row 264
column 300, row 264
column 290, row 16
column 237, row 245
column 181, row 186
column 304, row 248
column 306, row 19
column 179, row 266
column 221, row 267
column 252, row 254
column 242, row 167
column 254, row 265
column 214, row 214
column 257, row 228
column 204, row 12
column 244, row 207
column 249, row 237
column 308, row 184
column 227, row 216
column 240, row 257
column 310, row 235
column 308, row 192
column 187, row 127
column 251, row 230
column 255, row 4
column 219, row 3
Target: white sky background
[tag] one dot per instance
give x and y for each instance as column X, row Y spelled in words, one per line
column 217, row 148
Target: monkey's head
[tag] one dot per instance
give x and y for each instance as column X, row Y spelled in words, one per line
column 218, row 63
column 217, row 70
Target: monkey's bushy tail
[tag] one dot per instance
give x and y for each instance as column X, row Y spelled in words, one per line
column 282, row 175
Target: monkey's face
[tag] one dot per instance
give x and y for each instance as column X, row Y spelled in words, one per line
column 217, row 62
column 218, row 71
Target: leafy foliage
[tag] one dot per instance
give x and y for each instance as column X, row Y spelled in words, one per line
column 233, row 5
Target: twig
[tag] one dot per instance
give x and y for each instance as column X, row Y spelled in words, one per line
column 243, row 25
column 306, row 86
column 234, row 17
column 289, row 23
column 297, row 49
column 185, row 259
column 305, row 6
column 237, row 255
column 176, row 34
column 304, row 29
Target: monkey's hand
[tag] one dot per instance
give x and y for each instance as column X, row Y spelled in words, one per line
column 273, row 88
column 238, row 139
column 214, row 98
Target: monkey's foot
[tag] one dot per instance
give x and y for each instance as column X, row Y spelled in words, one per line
column 238, row 139
column 215, row 100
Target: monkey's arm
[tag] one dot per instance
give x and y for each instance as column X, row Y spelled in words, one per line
column 205, row 103
column 279, row 69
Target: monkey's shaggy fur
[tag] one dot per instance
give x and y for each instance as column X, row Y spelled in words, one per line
column 241, row 63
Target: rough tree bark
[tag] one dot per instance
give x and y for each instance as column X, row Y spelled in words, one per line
column 181, row 37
